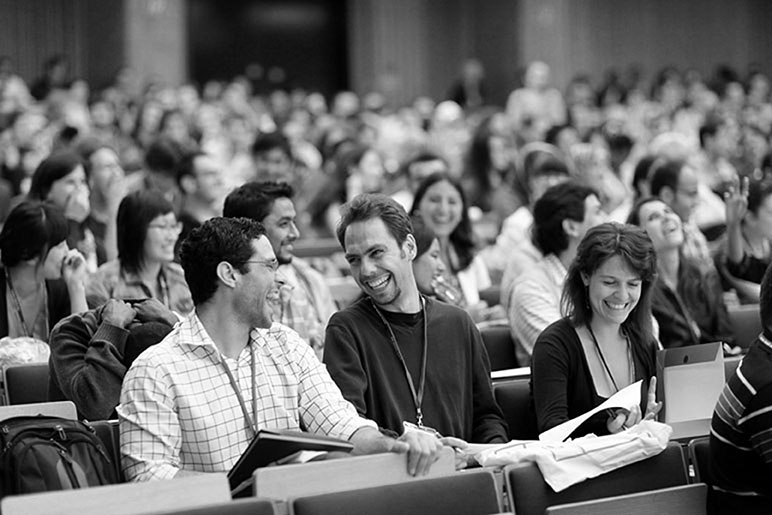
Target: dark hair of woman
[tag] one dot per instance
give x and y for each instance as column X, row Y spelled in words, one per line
column 30, row 230
column 601, row 243
column 135, row 213
column 51, row 169
column 462, row 237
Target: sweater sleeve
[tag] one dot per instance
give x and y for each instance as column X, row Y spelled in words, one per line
column 86, row 359
column 549, row 380
column 489, row 425
column 345, row 365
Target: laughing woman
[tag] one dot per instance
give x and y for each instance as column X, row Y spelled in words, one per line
column 441, row 204
column 605, row 341
column 147, row 231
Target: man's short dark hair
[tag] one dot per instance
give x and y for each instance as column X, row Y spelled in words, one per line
column 255, row 199
column 709, row 129
column 162, row 156
column 187, row 165
column 665, row 173
column 560, row 202
column 270, row 140
column 216, row 240
column 367, row 206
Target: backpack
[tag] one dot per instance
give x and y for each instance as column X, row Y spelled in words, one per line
column 41, row 453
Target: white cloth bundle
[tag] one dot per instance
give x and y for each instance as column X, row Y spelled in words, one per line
column 567, row 463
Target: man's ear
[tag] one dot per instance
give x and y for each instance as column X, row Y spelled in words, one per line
column 411, row 247
column 226, row 273
column 667, row 195
column 188, row 184
column 570, row 227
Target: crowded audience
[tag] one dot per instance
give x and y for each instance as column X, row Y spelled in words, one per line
column 112, row 205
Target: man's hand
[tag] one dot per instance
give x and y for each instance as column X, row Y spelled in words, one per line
column 118, row 313
column 422, row 449
column 151, row 310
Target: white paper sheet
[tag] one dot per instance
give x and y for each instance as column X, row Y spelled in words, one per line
column 625, row 398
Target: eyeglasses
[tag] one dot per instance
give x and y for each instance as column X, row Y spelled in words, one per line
column 271, row 264
column 177, row 227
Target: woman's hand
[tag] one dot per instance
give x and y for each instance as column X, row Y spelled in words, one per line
column 652, row 406
column 622, row 419
column 736, row 201
column 74, row 268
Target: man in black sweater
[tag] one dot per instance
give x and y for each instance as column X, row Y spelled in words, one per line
column 402, row 359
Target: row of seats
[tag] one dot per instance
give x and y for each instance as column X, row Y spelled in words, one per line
column 664, row 478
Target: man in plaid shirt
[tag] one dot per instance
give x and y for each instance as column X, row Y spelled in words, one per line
column 193, row 402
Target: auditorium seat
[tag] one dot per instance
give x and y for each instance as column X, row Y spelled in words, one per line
column 529, row 494
column 145, row 498
column 514, row 399
column 499, row 345
column 470, row 492
column 678, row 500
column 248, row 506
column 26, row 383
column 746, row 323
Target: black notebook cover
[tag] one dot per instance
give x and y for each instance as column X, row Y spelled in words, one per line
column 270, row 446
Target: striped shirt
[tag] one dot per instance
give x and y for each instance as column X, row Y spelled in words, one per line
column 179, row 410
column 535, row 303
column 741, row 429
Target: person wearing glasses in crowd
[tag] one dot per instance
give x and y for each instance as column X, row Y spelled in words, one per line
column 147, row 232
column 193, row 402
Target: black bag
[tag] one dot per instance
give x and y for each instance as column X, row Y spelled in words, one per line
column 43, row 453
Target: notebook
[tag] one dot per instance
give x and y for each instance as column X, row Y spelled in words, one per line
column 270, row 446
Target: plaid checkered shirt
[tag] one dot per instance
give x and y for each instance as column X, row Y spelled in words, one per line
column 179, row 410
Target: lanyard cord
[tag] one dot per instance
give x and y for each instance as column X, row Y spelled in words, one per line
column 603, row 358
column 17, row 304
column 418, row 395
column 251, row 425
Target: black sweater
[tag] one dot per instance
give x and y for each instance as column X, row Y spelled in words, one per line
column 458, row 399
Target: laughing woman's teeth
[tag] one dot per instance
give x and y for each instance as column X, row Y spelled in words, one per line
column 616, row 306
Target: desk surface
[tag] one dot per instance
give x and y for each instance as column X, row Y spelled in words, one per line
column 688, row 429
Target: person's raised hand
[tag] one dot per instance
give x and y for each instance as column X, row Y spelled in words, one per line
column 652, row 406
column 736, row 201
column 74, row 268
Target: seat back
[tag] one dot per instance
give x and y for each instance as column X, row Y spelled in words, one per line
column 124, row 499
column 678, row 500
column 247, row 506
column 467, row 493
column 64, row 409
column 499, row 345
column 746, row 323
column 699, row 456
column 108, row 433
column 318, row 477
column 26, row 383
column 514, row 399
column 530, row 495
